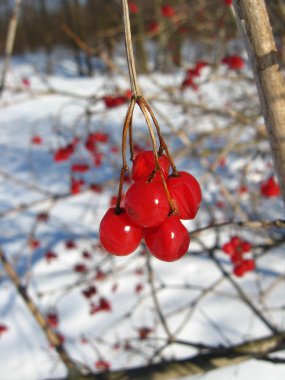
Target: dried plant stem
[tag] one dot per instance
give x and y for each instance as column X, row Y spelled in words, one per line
column 129, row 51
column 163, row 145
column 10, row 42
column 127, row 126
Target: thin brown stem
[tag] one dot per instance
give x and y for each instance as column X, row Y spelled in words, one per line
column 163, row 145
column 129, row 50
column 155, row 299
column 127, row 124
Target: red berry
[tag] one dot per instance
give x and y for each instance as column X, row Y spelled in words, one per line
column 144, row 332
column 154, row 27
column 118, row 235
column 144, row 164
column 188, row 82
column 167, row 11
column 96, row 188
column 146, row 203
column 34, row 243
column 133, row 7
column 76, row 185
column 236, row 241
column 98, row 136
column 239, row 270
column 246, row 246
column 64, row 153
column 80, row 268
column 234, row 62
column 36, row 140
column 236, row 258
column 52, row 320
column 249, row 265
column 186, row 192
column 112, row 101
column 50, row 256
column 3, row 329
column 89, row 292
column 270, row 188
column 228, row 248
column 169, row 241
column 102, row 305
column 102, row 365
column 80, row 168
column 26, row 82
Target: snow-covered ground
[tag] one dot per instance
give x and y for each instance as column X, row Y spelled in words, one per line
column 116, row 321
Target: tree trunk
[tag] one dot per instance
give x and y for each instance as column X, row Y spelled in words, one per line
column 255, row 26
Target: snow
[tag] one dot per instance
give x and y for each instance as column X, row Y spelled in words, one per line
column 198, row 303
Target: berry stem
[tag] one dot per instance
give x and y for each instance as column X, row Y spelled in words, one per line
column 127, row 126
column 142, row 104
column 131, row 142
column 129, row 51
column 163, row 145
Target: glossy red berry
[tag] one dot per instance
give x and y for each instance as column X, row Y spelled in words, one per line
column 146, row 203
column 186, row 193
column 144, row 164
column 118, row 235
column 169, row 241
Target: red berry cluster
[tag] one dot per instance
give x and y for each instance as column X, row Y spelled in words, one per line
column 112, row 101
column 193, row 73
column 95, row 144
column 147, row 212
column 236, row 248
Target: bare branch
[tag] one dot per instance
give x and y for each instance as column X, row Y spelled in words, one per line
column 255, row 26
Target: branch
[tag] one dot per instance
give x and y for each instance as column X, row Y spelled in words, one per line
column 201, row 363
column 254, row 224
column 254, row 24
